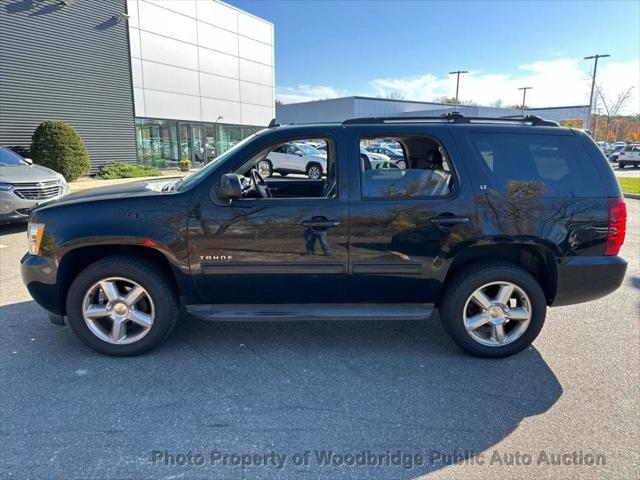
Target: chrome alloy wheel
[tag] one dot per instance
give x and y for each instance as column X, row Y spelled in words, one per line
column 118, row 310
column 314, row 172
column 497, row 314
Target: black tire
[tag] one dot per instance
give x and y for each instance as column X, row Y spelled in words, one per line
column 146, row 275
column 465, row 282
column 308, row 170
column 621, row 165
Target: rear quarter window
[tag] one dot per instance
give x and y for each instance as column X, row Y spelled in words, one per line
column 557, row 165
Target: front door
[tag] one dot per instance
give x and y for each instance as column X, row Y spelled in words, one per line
column 292, row 248
column 184, row 141
column 407, row 224
column 198, row 144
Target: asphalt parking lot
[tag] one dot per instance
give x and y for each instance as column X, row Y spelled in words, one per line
column 265, row 393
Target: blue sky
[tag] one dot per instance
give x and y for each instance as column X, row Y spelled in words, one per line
column 334, row 48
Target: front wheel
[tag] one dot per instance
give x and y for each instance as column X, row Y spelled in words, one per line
column 122, row 306
column 401, row 164
column 493, row 309
column 620, row 165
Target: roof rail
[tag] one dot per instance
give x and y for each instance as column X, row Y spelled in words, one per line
column 453, row 117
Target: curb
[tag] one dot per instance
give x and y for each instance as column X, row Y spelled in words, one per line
column 635, row 196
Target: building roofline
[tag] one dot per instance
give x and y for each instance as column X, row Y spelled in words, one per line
column 245, row 12
column 421, row 102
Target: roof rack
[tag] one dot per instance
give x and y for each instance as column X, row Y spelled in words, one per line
column 453, row 117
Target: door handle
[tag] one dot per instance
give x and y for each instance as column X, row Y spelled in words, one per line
column 320, row 223
column 446, row 220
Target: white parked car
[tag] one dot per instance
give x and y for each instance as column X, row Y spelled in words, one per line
column 376, row 160
column 630, row 155
column 294, row 158
column 25, row 186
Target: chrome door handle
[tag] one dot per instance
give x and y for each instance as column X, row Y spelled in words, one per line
column 444, row 220
column 320, row 223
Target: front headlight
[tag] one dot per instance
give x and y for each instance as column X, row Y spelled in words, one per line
column 34, row 237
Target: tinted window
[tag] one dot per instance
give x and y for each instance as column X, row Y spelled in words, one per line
column 557, row 163
column 428, row 172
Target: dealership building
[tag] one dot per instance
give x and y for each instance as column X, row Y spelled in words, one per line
column 339, row 109
column 140, row 80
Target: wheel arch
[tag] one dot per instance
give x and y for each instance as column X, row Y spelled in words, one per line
column 76, row 260
column 536, row 259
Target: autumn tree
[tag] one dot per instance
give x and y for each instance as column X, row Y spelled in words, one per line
column 612, row 106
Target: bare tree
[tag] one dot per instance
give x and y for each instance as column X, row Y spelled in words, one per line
column 394, row 96
column 613, row 107
column 497, row 103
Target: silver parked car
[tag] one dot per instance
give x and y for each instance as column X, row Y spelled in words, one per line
column 24, row 186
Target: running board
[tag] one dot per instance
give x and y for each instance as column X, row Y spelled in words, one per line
column 313, row 311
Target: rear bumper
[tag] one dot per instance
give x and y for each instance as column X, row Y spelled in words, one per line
column 581, row 279
column 39, row 274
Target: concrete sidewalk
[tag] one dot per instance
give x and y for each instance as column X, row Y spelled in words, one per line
column 85, row 183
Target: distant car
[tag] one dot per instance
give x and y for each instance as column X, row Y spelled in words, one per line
column 24, row 186
column 630, row 155
column 294, row 158
column 375, row 159
column 615, row 152
column 396, row 156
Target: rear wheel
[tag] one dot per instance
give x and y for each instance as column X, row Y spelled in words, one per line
column 401, row 164
column 122, row 306
column 493, row 309
column 620, row 165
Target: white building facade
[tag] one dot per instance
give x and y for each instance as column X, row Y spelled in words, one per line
column 203, row 78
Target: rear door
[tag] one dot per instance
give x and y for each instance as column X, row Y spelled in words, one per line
column 405, row 226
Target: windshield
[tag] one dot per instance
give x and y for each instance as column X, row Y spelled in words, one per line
column 308, row 149
column 10, row 159
column 204, row 171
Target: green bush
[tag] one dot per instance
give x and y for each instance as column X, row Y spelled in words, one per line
column 125, row 170
column 58, row 146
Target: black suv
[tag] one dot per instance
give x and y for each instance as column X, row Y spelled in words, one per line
column 492, row 221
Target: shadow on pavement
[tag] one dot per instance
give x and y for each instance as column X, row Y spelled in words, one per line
column 11, row 228
column 254, row 388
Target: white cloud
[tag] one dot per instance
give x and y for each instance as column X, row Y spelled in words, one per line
column 306, row 93
column 558, row 82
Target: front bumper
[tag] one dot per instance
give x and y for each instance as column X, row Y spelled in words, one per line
column 581, row 279
column 16, row 209
column 39, row 274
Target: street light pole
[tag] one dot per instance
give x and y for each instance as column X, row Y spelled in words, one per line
column 593, row 79
column 457, row 74
column 524, row 97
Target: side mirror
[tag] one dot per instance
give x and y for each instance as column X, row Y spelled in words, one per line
column 229, row 187
column 299, row 153
column 28, row 160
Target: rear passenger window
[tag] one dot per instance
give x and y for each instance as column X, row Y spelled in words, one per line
column 418, row 167
column 557, row 163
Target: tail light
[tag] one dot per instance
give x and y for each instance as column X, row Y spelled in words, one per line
column 617, row 226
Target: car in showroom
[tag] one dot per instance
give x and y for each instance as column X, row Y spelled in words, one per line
column 629, row 156
column 294, row 158
column 25, row 186
column 492, row 222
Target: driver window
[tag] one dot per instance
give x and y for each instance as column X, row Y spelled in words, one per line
column 296, row 168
